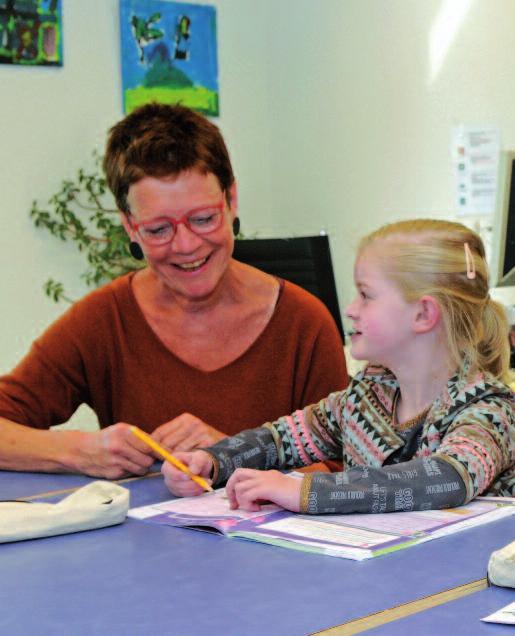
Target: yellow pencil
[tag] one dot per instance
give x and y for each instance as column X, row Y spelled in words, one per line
column 170, row 458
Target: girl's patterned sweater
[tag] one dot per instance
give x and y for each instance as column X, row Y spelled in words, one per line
column 464, row 448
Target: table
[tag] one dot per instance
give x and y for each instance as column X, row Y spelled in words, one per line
column 460, row 617
column 140, row 578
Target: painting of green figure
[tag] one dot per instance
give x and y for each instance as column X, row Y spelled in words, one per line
column 169, row 54
column 30, row 32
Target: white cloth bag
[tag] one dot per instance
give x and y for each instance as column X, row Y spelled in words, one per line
column 97, row 505
column 501, row 566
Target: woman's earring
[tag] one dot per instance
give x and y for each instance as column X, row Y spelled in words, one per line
column 235, row 226
column 136, row 251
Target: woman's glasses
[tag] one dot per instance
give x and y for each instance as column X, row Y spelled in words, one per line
column 201, row 221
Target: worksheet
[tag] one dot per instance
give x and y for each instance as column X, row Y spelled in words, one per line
column 354, row 536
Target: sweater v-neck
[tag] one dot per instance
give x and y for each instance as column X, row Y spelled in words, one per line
column 159, row 344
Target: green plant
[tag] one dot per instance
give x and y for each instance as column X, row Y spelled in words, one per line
column 83, row 211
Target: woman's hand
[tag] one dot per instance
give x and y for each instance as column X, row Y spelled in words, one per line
column 199, row 462
column 112, row 452
column 185, row 433
column 248, row 488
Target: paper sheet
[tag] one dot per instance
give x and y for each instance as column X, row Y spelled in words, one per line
column 476, row 161
column 506, row 615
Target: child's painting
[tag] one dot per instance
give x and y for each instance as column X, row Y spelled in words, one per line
column 169, row 54
column 30, row 32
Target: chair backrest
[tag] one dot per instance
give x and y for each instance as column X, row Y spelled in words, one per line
column 305, row 261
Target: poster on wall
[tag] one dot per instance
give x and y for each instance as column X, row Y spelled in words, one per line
column 169, row 54
column 476, row 164
column 31, row 32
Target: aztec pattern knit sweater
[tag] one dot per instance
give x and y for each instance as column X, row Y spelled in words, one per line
column 465, row 447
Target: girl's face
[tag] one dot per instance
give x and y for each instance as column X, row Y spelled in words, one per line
column 380, row 316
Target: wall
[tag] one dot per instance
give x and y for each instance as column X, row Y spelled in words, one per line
column 362, row 113
column 52, row 119
column 335, row 117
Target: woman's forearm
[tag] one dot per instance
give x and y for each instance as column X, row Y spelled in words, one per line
column 30, row 449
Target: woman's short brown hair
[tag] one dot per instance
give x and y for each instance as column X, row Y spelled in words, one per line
column 159, row 140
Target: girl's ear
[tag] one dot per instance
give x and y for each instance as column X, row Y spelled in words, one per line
column 427, row 315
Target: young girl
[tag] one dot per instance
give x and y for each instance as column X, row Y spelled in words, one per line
column 429, row 424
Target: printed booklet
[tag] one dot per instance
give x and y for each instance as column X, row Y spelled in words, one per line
column 349, row 536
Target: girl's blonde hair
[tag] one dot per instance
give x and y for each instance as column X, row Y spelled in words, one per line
column 428, row 257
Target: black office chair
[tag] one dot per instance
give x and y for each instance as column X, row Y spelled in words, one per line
column 305, row 261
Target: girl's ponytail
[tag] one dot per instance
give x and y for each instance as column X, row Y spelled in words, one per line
column 493, row 353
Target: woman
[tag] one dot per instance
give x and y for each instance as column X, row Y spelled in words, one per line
column 193, row 332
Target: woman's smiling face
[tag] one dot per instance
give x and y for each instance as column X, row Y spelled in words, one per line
column 190, row 265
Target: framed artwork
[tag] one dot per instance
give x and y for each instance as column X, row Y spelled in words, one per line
column 169, row 54
column 31, row 32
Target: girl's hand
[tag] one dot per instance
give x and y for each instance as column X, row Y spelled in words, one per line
column 248, row 488
column 199, row 462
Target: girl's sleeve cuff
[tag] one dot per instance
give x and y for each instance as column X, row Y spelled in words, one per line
column 305, row 489
column 215, row 471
